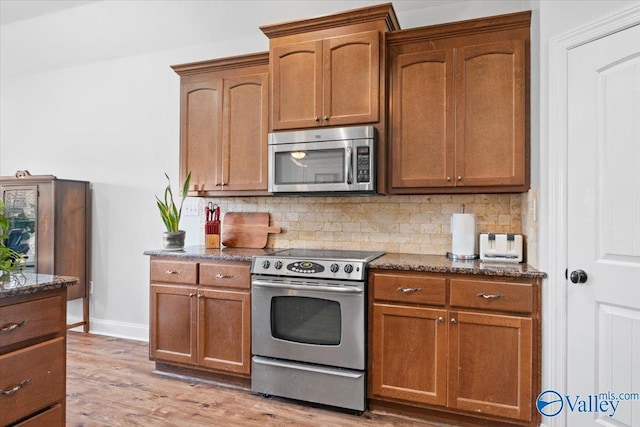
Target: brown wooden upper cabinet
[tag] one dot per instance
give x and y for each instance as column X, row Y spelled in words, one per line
column 328, row 71
column 224, row 121
column 459, row 107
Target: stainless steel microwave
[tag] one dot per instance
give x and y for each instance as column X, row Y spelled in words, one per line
column 318, row 161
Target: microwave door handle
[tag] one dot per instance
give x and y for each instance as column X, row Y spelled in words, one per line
column 349, row 165
column 291, row 286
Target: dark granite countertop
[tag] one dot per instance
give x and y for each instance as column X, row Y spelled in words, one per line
column 200, row 252
column 442, row 264
column 30, row 283
column 390, row 261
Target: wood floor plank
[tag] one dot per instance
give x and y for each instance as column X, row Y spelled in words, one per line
column 111, row 383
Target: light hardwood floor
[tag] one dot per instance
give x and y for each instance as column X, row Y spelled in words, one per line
column 110, row 382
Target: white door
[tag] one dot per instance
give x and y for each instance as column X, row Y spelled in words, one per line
column 603, row 231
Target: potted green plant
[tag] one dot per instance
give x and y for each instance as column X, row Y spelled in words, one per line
column 10, row 260
column 173, row 238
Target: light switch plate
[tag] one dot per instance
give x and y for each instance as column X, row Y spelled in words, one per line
column 190, row 207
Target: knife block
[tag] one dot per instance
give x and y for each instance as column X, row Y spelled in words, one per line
column 211, row 241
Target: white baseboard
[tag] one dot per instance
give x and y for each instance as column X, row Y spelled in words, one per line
column 110, row 328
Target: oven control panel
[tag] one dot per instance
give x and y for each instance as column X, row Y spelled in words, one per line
column 305, row 267
column 326, row 269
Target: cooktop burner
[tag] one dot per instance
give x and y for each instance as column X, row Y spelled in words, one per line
column 319, row 263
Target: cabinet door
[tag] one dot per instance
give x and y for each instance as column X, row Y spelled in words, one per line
column 490, row 363
column 244, row 132
column 351, row 79
column 200, row 132
column 409, row 360
column 490, row 114
column 224, row 328
column 422, row 120
column 172, row 324
column 297, row 85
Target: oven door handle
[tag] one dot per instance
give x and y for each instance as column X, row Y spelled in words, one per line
column 316, row 369
column 294, row 287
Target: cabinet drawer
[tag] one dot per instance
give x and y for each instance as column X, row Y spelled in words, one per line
column 500, row 296
column 174, row 271
column 227, row 275
column 52, row 417
column 31, row 319
column 37, row 374
column 410, row 288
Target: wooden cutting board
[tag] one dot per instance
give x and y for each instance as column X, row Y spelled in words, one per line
column 246, row 229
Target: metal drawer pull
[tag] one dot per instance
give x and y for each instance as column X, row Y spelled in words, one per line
column 224, row 276
column 489, row 296
column 171, row 272
column 408, row 290
column 11, row 326
column 16, row 388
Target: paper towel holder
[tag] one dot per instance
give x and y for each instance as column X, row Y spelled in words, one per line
column 462, row 257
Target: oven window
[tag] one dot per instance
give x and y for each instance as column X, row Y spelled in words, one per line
column 306, row 320
column 310, row 167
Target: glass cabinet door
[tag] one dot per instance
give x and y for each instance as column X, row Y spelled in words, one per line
column 21, row 211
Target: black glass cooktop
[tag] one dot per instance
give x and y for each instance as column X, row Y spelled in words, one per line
column 329, row 254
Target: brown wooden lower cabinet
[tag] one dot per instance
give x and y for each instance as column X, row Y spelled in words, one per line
column 455, row 347
column 410, row 353
column 203, row 322
column 490, row 364
column 33, row 359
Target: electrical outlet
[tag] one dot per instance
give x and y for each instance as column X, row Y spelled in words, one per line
column 190, row 207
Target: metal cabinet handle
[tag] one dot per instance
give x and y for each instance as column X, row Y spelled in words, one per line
column 326, row 118
column 191, row 295
column 489, row 296
column 16, row 388
column 224, row 276
column 448, row 179
column 172, row 272
column 459, row 178
column 224, row 184
column 441, row 319
column 11, row 326
column 316, row 119
column 200, row 295
column 408, row 290
column 453, row 320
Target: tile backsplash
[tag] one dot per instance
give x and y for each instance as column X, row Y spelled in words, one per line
column 407, row 224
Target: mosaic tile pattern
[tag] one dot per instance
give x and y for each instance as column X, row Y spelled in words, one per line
column 401, row 224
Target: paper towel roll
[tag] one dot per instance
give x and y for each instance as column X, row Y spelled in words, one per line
column 463, row 234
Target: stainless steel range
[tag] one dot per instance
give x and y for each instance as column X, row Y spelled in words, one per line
column 309, row 325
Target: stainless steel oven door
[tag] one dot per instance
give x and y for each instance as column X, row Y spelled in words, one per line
column 306, row 321
column 328, row 166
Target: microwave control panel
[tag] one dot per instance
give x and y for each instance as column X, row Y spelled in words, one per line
column 363, row 160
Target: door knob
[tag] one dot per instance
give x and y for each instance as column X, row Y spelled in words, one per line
column 578, row 276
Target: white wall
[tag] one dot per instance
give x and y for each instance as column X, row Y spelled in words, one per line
column 88, row 94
